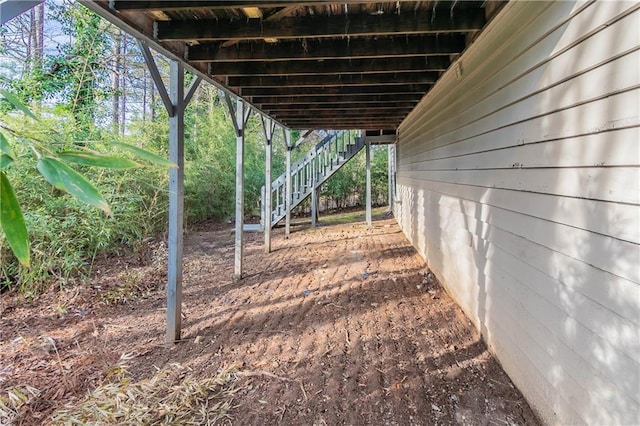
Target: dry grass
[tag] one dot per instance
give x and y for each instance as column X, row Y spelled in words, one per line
column 172, row 396
column 13, row 400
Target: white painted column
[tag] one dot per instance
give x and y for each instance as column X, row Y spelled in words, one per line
column 314, row 204
column 268, row 126
column 390, row 175
column 239, row 235
column 368, row 183
column 289, row 194
column 175, row 101
column 176, row 203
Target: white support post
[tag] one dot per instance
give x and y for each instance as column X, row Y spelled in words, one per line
column 240, row 121
column 175, row 101
column 268, row 126
column 390, row 175
column 314, row 204
column 368, row 161
column 289, row 192
column 176, row 202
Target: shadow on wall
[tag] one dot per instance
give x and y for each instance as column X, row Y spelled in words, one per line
column 552, row 283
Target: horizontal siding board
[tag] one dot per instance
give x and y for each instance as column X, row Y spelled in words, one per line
column 534, row 96
column 523, row 28
column 532, row 71
column 572, row 380
column 494, row 279
column 516, row 361
column 519, row 181
column 597, row 183
column 586, row 151
column 606, row 218
column 616, row 304
column 620, row 110
column 591, row 338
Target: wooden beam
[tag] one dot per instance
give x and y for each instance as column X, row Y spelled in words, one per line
column 331, row 66
column 341, row 80
column 335, row 106
column 156, row 5
column 13, row 8
column 446, row 44
column 261, row 101
column 356, row 124
column 330, row 91
column 361, row 25
column 342, row 114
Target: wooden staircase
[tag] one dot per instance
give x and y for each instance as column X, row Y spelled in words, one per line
column 311, row 171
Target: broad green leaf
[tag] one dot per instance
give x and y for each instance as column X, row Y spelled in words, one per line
column 96, row 159
column 5, row 161
column 66, row 179
column 145, row 155
column 12, row 222
column 5, row 148
column 17, row 104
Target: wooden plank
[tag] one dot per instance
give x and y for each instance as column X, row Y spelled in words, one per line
column 340, row 80
column 342, row 113
column 337, row 99
column 312, row 26
column 343, row 106
column 329, row 125
column 331, row 66
column 160, row 5
column 411, row 89
column 446, row 44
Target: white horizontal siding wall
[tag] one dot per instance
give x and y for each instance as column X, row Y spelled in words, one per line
column 519, row 182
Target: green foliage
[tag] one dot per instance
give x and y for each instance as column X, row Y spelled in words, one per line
column 346, row 188
column 12, row 221
column 64, row 233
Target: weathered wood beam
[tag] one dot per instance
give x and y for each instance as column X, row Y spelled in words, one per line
column 343, row 114
column 341, row 80
column 446, row 44
column 354, row 124
column 330, row 91
column 261, row 101
column 335, row 106
column 361, row 25
column 155, row 5
column 331, row 66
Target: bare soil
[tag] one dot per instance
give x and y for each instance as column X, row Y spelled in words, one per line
column 339, row 324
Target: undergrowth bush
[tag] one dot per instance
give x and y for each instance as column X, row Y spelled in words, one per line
column 65, row 234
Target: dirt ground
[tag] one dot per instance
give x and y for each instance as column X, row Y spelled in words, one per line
column 340, row 324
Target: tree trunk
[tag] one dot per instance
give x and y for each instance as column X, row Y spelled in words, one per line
column 115, row 82
column 123, row 85
column 38, row 41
